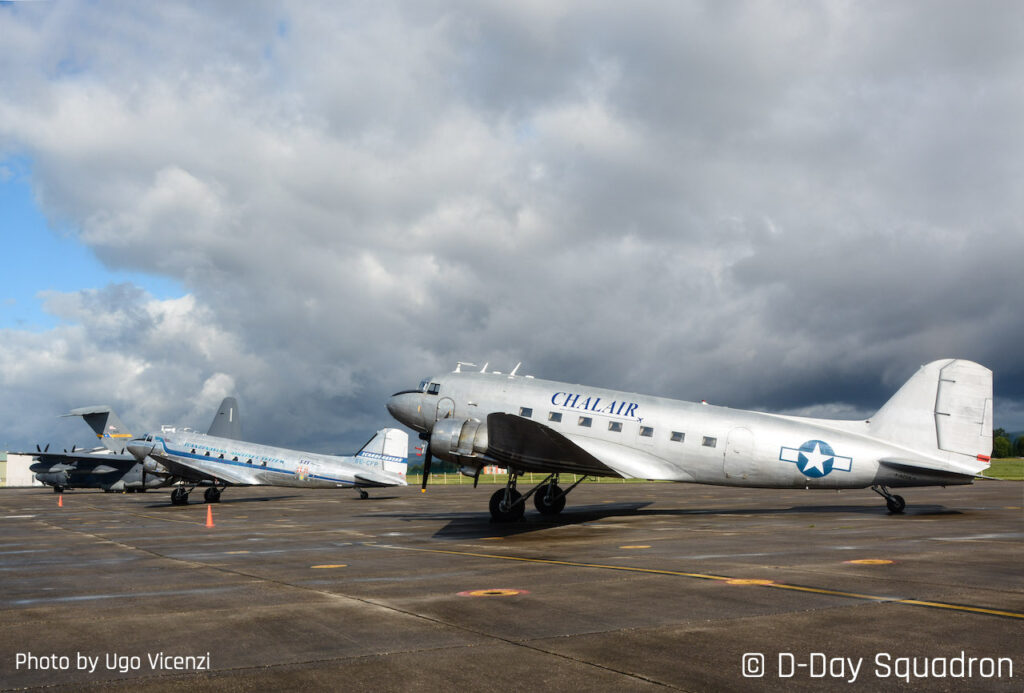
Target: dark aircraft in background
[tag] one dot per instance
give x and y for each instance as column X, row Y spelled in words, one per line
column 108, row 466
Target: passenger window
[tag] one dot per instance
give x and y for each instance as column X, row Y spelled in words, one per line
column 709, row 442
column 526, row 412
column 264, row 464
column 586, row 421
column 250, row 461
column 554, row 416
column 615, row 426
column 678, row 437
column 207, row 453
column 433, row 388
column 646, row 431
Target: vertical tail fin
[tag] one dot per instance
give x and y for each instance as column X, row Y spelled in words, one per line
column 390, row 447
column 226, row 422
column 113, row 434
column 946, row 407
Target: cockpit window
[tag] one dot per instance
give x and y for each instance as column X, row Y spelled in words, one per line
column 423, row 385
column 433, row 388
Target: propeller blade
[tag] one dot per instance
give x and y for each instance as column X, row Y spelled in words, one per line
column 476, row 477
column 37, row 448
column 73, row 448
column 427, row 458
column 47, row 448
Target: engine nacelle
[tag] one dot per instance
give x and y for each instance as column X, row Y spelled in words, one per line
column 459, row 440
column 153, row 467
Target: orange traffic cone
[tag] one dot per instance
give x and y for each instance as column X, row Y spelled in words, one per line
column 60, row 501
column 209, row 516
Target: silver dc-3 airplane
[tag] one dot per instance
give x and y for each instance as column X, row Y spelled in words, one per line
column 936, row 430
column 220, row 458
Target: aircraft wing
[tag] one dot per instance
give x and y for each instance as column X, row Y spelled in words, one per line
column 532, row 446
column 193, row 472
column 529, row 445
column 94, row 463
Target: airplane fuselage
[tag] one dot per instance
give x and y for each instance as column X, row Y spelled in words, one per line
column 241, row 463
column 657, row 438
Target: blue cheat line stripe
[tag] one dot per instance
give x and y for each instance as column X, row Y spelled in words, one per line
column 232, row 463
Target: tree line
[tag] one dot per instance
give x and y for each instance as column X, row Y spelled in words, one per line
column 1004, row 446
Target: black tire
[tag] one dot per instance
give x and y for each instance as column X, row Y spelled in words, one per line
column 212, row 495
column 896, row 504
column 58, row 489
column 363, row 495
column 540, row 501
column 179, row 497
column 498, row 514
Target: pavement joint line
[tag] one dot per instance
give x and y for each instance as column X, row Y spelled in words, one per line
column 722, row 578
column 370, row 602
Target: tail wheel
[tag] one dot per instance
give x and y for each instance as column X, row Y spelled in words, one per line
column 896, row 504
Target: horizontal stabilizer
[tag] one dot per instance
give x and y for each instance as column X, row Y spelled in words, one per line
column 106, row 425
column 952, row 469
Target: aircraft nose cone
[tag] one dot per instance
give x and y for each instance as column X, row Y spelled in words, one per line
column 405, row 407
column 139, row 448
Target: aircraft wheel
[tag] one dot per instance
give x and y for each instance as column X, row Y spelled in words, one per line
column 540, row 501
column 212, row 495
column 363, row 495
column 896, row 504
column 179, row 496
column 58, row 489
column 501, row 514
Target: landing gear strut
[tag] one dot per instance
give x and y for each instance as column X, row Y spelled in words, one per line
column 508, row 505
column 363, row 495
column 895, row 503
column 179, row 496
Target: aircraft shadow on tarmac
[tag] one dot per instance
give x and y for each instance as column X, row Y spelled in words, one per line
column 226, row 501
column 477, row 525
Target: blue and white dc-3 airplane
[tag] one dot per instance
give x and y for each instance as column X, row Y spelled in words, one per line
column 219, row 458
column 936, row 430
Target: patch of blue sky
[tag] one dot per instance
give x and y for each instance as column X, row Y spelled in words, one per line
column 35, row 258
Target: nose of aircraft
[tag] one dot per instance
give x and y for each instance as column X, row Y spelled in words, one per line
column 139, row 448
column 407, row 408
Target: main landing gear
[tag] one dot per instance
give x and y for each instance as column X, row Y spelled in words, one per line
column 508, row 505
column 363, row 495
column 895, row 503
column 179, row 496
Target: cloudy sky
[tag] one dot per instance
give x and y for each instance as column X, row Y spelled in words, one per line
column 777, row 206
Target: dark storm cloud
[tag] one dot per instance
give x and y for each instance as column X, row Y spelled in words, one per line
column 764, row 205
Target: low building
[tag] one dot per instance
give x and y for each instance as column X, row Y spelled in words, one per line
column 14, row 470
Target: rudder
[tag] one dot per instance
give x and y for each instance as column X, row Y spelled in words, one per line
column 945, row 407
column 390, row 446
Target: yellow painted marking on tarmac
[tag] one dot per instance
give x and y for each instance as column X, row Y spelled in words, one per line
column 870, row 561
column 723, row 578
column 635, row 546
column 233, row 553
column 491, row 538
column 330, row 565
column 750, row 581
